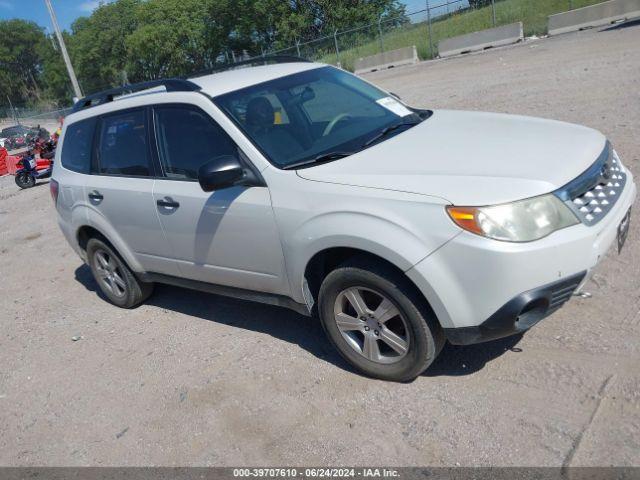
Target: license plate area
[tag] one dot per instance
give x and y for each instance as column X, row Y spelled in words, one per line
column 623, row 230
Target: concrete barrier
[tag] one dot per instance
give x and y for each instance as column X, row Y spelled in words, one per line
column 392, row 58
column 471, row 42
column 594, row 16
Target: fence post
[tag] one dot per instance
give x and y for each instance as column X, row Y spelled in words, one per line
column 335, row 41
column 380, row 33
column 13, row 112
column 493, row 10
column 298, row 46
column 429, row 28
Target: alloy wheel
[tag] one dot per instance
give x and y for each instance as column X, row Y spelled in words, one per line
column 109, row 273
column 372, row 325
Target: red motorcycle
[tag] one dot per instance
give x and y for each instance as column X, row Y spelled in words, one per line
column 45, row 148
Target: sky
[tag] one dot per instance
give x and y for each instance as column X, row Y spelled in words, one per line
column 68, row 10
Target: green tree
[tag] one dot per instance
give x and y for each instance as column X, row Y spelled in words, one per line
column 20, row 61
column 97, row 44
column 135, row 40
column 309, row 19
column 177, row 37
column 54, row 77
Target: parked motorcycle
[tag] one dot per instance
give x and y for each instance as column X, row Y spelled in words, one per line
column 45, row 148
column 26, row 177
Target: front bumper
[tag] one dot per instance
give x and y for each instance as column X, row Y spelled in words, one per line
column 520, row 313
column 475, row 285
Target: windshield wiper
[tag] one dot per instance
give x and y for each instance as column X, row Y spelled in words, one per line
column 387, row 130
column 323, row 157
column 327, row 157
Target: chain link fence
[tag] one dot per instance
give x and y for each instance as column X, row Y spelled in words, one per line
column 425, row 28
column 49, row 120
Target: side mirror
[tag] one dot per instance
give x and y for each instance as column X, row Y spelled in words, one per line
column 221, row 172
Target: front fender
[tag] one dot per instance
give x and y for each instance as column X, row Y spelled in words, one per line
column 398, row 243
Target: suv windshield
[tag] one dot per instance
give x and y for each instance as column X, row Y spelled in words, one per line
column 315, row 116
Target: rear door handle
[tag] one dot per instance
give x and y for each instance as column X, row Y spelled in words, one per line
column 96, row 195
column 168, row 203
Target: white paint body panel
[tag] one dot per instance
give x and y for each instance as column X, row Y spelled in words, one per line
column 228, row 237
column 471, row 158
column 471, row 277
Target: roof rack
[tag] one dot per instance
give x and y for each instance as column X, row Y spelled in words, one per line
column 177, row 84
column 106, row 96
column 266, row 60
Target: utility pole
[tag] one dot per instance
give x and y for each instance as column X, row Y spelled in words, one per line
column 72, row 75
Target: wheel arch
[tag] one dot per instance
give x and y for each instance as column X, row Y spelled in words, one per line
column 85, row 232
column 328, row 259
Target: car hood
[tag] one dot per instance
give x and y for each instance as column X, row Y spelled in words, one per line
column 471, row 158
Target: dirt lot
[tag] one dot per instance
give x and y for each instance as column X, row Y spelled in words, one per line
column 195, row 379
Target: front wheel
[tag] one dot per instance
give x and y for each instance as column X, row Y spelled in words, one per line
column 24, row 180
column 378, row 322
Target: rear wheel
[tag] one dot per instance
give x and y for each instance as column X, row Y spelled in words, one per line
column 24, row 180
column 378, row 322
column 115, row 279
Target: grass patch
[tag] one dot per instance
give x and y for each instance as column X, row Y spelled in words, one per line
column 532, row 13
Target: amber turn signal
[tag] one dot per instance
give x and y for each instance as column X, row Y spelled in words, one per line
column 466, row 218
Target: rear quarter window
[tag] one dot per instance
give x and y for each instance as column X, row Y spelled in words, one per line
column 77, row 146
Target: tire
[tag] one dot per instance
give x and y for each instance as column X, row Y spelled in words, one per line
column 399, row 337
column 115, row 279
column 24, row 180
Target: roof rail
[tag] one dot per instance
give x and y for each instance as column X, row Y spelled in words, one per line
column 106, row 96
column 256, row 61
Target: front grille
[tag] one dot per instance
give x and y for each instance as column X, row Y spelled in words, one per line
column 594, row 193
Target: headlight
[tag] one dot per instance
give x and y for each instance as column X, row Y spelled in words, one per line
column 521, row 221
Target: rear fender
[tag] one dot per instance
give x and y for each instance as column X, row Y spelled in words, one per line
column 95, row 219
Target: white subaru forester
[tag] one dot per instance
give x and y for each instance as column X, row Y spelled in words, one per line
column 301, row 185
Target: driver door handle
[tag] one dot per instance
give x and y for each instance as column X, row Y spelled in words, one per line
column 167, row 202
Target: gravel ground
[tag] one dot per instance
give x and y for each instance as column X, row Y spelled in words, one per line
column 195, row 379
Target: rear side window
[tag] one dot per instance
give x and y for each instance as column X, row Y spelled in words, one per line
column 122, row 147
column 187, row 138
column 77, row 145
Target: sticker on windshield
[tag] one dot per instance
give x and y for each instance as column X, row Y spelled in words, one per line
column 394, row 106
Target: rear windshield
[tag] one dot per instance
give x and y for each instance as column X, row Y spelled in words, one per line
column 77, row 145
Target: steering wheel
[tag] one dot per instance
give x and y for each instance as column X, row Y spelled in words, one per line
column 334, row 122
